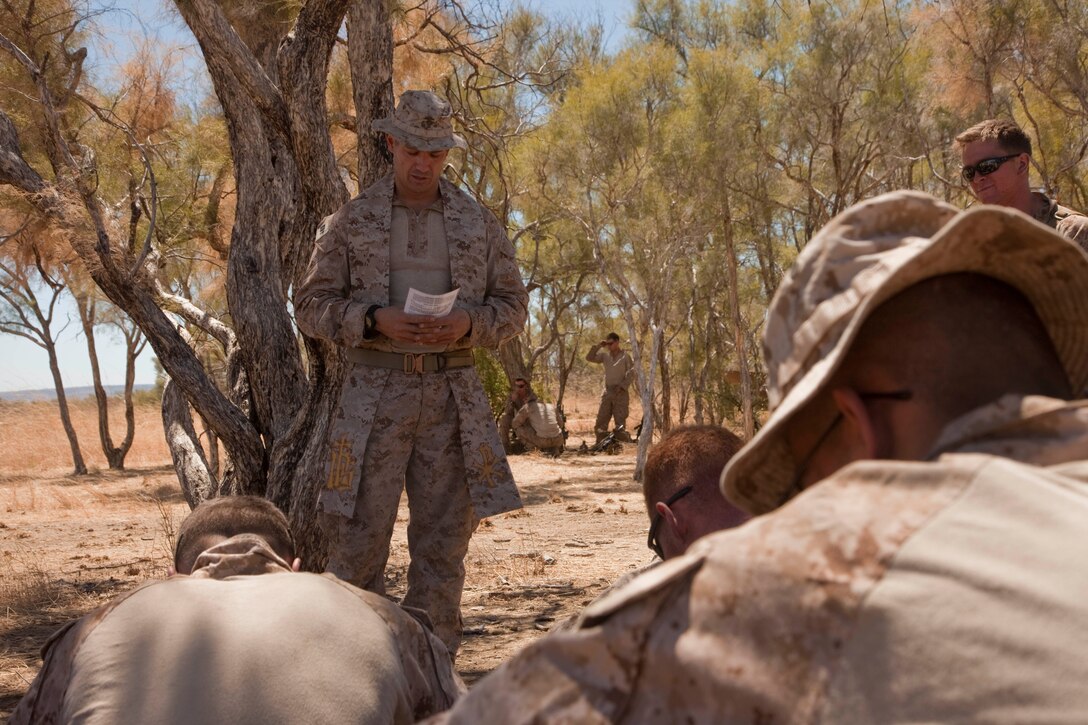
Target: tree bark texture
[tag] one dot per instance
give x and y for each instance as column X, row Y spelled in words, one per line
column 78, row 465
column 197, row 483
column 269, row 71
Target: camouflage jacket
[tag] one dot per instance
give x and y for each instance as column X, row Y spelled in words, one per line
column 417, row 665
column 349, row 272
column 952, row 590
column 1070, row 223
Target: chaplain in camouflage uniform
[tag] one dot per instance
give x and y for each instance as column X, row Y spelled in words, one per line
column 921, row 492
column 413, row 414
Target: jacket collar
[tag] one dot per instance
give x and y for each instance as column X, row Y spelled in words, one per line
column 242, row 555
column 1031, row 429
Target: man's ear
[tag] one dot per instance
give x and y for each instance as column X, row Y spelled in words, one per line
column 866, row 439
column 296, row 565
column 1023, row 164
column 673, row 530
column 389, row 142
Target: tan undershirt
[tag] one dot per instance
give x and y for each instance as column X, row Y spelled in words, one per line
column 274, row 648
column 418, row 257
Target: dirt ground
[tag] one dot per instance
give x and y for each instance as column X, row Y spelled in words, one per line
column 68, row 544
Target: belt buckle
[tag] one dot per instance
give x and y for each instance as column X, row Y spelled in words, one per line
column 413, row 363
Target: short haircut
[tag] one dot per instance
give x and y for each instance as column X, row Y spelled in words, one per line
column 691, row 455
column 960, row 341
column 1011, row 137
column 230, row 516
column 612, row 336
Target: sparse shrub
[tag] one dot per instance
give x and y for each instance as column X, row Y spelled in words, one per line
column 493, row 377
column 28, row 590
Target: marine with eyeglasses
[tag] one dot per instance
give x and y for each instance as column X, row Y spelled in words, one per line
column 996, row 157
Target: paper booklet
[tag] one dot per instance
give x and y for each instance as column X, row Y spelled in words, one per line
column 421, row 303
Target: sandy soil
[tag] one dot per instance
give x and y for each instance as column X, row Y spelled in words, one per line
column 68, row 544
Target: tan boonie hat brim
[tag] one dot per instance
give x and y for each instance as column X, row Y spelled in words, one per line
column 432, row 140
column 867, row 255
column 423, row 120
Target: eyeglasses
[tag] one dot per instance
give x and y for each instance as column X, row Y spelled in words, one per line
column 802, row 467
column 985, row 167
column 655, row 522
column 519, row 385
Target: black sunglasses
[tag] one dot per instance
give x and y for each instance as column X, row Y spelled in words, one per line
column 655, row 522
column 985, row 167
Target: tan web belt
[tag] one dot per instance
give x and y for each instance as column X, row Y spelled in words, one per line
column 407, row 362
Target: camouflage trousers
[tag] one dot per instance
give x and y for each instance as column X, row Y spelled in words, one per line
column 414, row 445
column 615, row 406
column 529, row 437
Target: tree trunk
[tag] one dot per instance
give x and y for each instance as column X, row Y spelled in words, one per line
column 740, row 344
column 271, row 85
column 197, row 483
column 666, row 389
column 87, row 307
column 647, row 390
column 79, row 467
column 134, row 345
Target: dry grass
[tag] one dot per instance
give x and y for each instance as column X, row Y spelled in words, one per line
column 69, row 543
column 26, row 588
column 32, row 440
column 168, row 527
column 33, row 604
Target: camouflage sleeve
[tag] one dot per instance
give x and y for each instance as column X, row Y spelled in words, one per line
column 323, row 304
column 629, row 376
column 505, row 307
column 44, row 700
column 594, row 355
column 1075, row 227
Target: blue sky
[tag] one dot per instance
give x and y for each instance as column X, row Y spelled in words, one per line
column 23, row 365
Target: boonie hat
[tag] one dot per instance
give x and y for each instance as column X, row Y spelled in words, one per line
column 422, row 120
column 868, row 254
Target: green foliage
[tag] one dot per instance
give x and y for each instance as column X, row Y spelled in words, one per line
column 496, row 386
column 667, row 186
column 688, row 170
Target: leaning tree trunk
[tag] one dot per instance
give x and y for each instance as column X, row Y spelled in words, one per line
column 79, row 467
column 269, row 76
column 271, row 85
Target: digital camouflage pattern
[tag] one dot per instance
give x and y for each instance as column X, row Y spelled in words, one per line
column 423, row 120
column 850, row 603
column 425, row 680
column 349, row 272
column 867, row 255
column 414, row 422
column 1072, row 224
